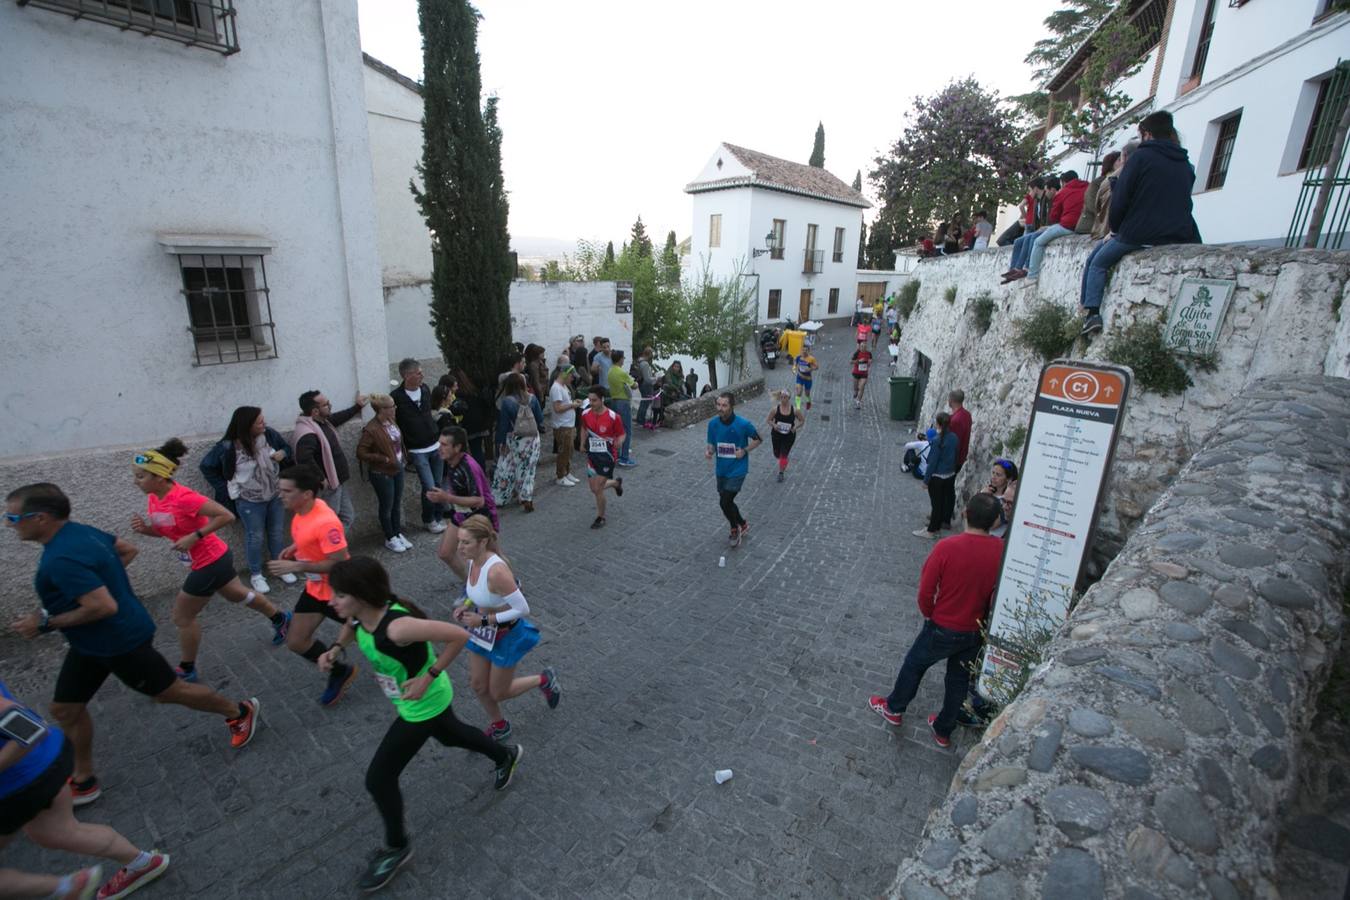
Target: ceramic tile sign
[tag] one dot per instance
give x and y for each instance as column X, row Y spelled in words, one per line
column 1071, row 440
column 1196, row 315
column 623, row 297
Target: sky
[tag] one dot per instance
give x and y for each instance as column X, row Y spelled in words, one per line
column 610, row 107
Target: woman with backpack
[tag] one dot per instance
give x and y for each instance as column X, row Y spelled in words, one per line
column 940, row 478
column 519, row 421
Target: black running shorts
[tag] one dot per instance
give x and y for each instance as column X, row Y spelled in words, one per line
column 308, row 604
column 28, row 802
column 142, row 669
column 211, row 577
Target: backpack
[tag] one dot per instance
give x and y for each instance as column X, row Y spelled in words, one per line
column 525, row 426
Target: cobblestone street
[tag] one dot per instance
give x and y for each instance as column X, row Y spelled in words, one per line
column 671, row 668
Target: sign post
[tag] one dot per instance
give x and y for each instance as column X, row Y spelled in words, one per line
column 1071, row 439
column 623, row 297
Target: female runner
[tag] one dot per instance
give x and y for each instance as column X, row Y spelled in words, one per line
column 784, row 423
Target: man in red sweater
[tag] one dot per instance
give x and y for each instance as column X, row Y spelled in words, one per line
column 960, row 426
column 955, row 591
column 1065, row 212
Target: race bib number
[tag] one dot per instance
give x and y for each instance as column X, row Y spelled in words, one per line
column 725, row 450
column 484, row 636
column 782, row 427
column 597, row 444
column 184, row 559
column 462, row 510
column 313, row 576
column 161, row 519
column 862, row 367
column 389, row 684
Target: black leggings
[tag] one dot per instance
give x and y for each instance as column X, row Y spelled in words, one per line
column 401, row 743
column 727, row 500
column 942, row 501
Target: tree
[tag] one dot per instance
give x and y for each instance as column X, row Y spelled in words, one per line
column 1068, row 28
column 857, row 181
column 818, row 148
column 640, row 242
column 552, row 271
column 719, row 319
column 862, row 246
column 463, row 198
column 607, row 266
column 1117, row 53
column 962, row 151
column 670, row 262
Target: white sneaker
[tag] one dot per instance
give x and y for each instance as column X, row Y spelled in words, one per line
column 563, row 482
column 289, row 578
column 436, row 527
column 407, row 544
column 395, row 544
column 259, row 584
column 571, row 479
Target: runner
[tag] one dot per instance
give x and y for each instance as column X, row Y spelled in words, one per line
column 183, row 516
column 864, row 331
column 501, row 634
column 601, row 431
column 805, row 366
column 318, row 543
column 82, row 583
column 876, row 329
column 862, row 362
column 731, row 438
column 784, row 423
column 35, row 764
column 465, row 490
column 397, row 637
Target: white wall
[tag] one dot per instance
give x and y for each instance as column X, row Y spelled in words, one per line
column 395, row 122
column 548, row 313
column 112, row 137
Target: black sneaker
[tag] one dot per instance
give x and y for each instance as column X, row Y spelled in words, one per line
column 384, row 865
column 618, row 487
column 1091, row 325
column 508, row 768
column 599, row 522
column 969, row 719
column 552, row 690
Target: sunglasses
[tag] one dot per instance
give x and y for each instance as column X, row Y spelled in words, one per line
column 16, row 518
column 141, row 459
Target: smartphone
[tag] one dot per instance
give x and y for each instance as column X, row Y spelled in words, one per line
column 18, row 724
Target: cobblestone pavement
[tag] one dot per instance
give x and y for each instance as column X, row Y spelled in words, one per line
column 671, row 668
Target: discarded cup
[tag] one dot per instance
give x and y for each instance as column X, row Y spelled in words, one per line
column 721, row 564
column 722, row 776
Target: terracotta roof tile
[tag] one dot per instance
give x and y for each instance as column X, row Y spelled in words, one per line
column 782, row 175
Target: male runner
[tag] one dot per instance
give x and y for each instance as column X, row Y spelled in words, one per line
column 466, row 490
column 805, row 366
column 862, row 362
column 318, row 541
column 730, row 439
column 601, row 432
column 86, row 595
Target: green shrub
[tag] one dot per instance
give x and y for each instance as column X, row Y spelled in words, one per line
column 1048, row 329
column 983, row 306
column 1157, row 367
column 950, row 294
column 1015, row 439
column 909, row 298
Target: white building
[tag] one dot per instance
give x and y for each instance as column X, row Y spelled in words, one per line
column 1248, row 82
column 742, row 196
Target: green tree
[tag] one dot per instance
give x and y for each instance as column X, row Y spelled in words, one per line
column 862, row 246
column 719, row 319
column 639, row 240
column 552, row 271
column 1067, row 28
column 818, row 148
column 857, row 181
column 463, row 198
column 670, row 262
column 881, row 245
column 1117, row 53
column 607, row 265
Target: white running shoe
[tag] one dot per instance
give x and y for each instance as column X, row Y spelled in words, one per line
column 407, row 544
column 572, row 478
column 259, row 584
column 563, row 482
column 395, row 544
column 289, row 578
column 435, row 527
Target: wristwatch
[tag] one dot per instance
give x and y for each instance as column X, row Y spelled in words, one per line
column 485, row 622
column 46, row 626
column 200, row 536
column 434, row 672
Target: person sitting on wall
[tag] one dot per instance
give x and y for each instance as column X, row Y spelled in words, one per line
column 1065, row 211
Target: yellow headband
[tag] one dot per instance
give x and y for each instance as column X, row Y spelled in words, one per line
column 155, row 463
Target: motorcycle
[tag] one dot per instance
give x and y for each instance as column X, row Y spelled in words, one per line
column 768, row 348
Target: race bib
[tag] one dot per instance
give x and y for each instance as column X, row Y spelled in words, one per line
column 597, row 444
column 484, row 636
column 462, row 510
column 184, row 559
column 313, row 576
column 389, row 684
column 862, row 367
column 725, row 450
column 161, row 519
column 782, row 427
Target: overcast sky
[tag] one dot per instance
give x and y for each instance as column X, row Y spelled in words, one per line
column 609, row 107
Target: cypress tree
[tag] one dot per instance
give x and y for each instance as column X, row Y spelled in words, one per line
column 641, row 244
column 857, row 181
column 608, row 264
column 670, row 261
column 818, row 149
column 463, row 198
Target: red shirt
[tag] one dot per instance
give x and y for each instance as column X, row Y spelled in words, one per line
column 958, row 580
column 960, row 426
column 862, row 361
column 179, row 513
column 1067, row 206
column 1030, row 201
column 606, row 425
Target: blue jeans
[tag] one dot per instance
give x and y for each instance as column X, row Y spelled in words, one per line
column 1043, row 239
column 1022, row 249
column 389, row 494
column 625, row 410
column 430, row 467
column 1100, row 262
column 265, row 518
column 642, row 411
column 934, row 644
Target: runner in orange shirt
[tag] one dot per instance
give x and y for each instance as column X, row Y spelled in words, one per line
column 318, row 543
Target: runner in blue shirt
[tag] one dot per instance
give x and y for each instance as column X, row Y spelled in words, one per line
column 730, row 440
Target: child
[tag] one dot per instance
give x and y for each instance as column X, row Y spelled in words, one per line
column 894, row 349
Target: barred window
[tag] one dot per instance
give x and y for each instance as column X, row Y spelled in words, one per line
column 1223, row 152
column 197, row 23
column 229, row 305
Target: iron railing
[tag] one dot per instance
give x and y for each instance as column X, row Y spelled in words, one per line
column 197, row 23
column 229, row 308
column 813, row 262
column 1335, row 216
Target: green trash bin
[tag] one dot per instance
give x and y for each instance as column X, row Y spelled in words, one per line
column 902, row 398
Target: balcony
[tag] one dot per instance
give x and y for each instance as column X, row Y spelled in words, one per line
column 813, row 262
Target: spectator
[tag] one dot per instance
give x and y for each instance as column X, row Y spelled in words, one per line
column 1021, row 244
column 562, row 411
column 242, row 468
column 519, row 418
column 675, row 380
column 620, row 385
column 1089, row 217
column 1003, row 486
column 576, row 354
column 1065, row 211
column 646, row 384
column 940, row 479
column 421, row 438
column 927, row 249
column 960, row 425
column 1150, row 205
column 446, row 407
column 600, row 361
column 915, row 457
column 983, row 231
column 536, row 371
column 858, row 308
column 317, row 444
column 479, row 417
column 512, row 363
column 381, row 449
column 1101, row 228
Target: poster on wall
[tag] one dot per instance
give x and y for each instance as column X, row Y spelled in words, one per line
column 1196, row 315
column 1071, row 440
column 623, row 297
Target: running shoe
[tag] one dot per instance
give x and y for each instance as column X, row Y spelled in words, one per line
column 435, row 527
column 879, row 706
column 83, row 884
column 395, row 544
column 127, row 880
column 618, row 488
column 628, row 463
column 279, row 632
column 384, row 865
column 745, row 528
column 82, row 793
column 572, row 479
column 552, row 691
column 498, row 734
column 735, row 538
column 938, row 739
column 190, row 676
column 808, row 404
column 599, row 522
column 508, row 768
column 341, row 678
column 407, row 544
column 288, row 578
column 563, row 482
column 242, row 727
column 259, row 584
column 1091, row 325
column 924, row 533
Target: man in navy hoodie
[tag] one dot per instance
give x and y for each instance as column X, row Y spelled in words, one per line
column 1150, row 205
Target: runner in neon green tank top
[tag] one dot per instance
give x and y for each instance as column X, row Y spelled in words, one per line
column 397, row 639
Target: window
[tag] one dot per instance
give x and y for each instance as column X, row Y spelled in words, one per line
column 834, row 295
column 839, row 245
column 779, row 238
column 224, row 285
column 1206, row 34
column 715, row 230
column 197, row 23
column 810, row 237
column 1327, row 111
column 1223, row 152
column 775, row 304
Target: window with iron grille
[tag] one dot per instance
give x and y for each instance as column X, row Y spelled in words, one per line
column 839, row 245
column 779, row 239
column 834, row 298
column 197, row 23
column 775, row 303
column 1223, row 152
column 1327, row 111
column 1206, row 35
column 224, row 287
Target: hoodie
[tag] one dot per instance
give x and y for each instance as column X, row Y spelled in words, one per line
column 1151, row 199
column 1068, row 204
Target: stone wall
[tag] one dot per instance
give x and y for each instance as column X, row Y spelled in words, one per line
column 1280, row 322
column 689, row 412
column 1150, row 754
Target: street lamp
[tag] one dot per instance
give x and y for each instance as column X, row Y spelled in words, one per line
column 771, row 240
